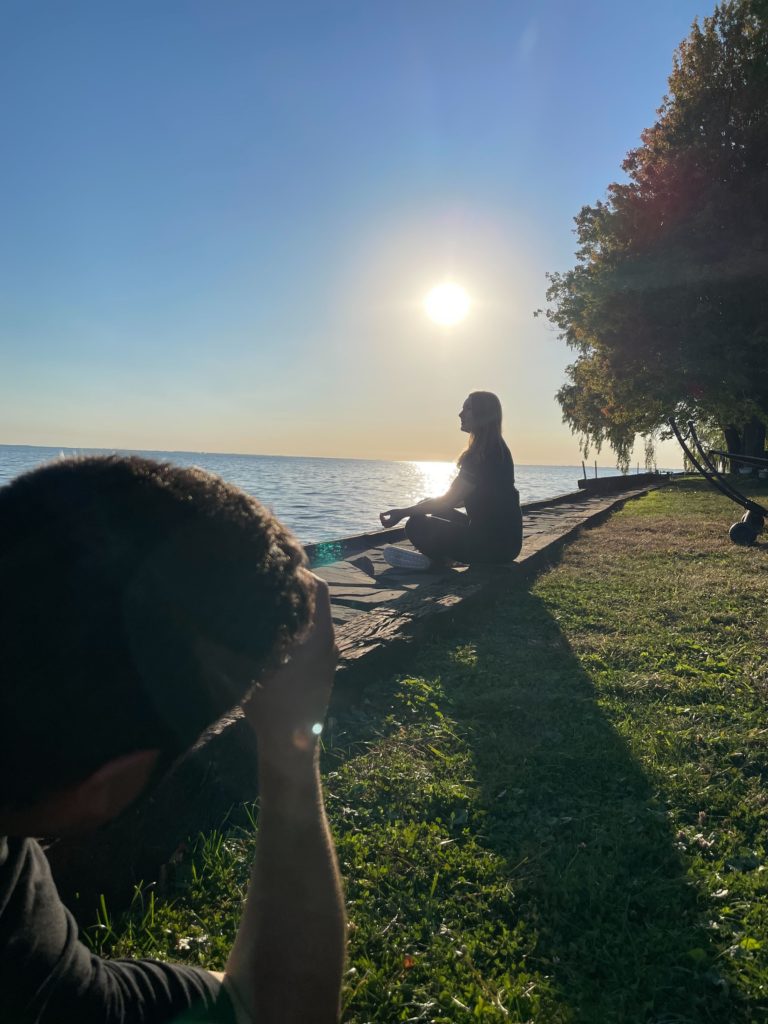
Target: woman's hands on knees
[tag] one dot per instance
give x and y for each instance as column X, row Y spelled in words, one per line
column 392, row 517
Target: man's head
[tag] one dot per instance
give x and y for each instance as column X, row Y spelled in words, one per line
column 138, row 603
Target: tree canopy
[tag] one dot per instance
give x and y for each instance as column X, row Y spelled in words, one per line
column 667, row 306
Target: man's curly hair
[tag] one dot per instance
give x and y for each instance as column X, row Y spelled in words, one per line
column 138, row 603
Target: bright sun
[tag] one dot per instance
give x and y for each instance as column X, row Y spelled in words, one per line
column 447, row 304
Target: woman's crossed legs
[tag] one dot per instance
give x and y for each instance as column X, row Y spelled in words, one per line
column 443, row 538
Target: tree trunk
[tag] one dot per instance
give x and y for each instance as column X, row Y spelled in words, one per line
column 749, row 440
column 753, row 442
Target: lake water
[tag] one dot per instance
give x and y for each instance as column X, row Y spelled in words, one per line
column 321, row 499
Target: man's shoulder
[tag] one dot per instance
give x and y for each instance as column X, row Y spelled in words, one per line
column 46, row 972
column 21, row 859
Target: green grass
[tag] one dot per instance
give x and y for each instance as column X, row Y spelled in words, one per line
column 559, row 814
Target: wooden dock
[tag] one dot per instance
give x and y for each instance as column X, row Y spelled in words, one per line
column 375, row 605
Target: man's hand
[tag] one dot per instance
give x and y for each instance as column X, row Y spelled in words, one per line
column 392, row 517
column 287, row 961
column 287, row 707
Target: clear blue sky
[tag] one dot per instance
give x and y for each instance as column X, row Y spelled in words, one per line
column 219, row 219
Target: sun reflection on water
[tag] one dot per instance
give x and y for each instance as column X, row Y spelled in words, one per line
column 431, row 479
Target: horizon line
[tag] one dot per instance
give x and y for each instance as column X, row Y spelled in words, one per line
column 259, row 455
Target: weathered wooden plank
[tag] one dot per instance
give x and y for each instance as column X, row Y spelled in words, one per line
column 340, row 615
column 344, row 574
column 385, row 624
column 360, row 592
column 376, row 597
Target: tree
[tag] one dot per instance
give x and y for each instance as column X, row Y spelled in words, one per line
column 667, row 306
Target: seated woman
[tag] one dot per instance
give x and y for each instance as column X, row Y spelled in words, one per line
column 492, row 529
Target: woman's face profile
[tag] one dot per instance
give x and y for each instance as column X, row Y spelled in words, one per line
column 465, row 417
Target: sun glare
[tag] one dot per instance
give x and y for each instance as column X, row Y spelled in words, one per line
column 447, row 304
column 432, row 478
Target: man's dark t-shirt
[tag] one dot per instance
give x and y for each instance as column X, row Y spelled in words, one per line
column 48, row 976
column 493, row 506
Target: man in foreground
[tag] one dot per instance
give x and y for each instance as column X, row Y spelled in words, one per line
column 138, row 603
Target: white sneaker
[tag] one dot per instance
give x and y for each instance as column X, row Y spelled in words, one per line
column 404, row 558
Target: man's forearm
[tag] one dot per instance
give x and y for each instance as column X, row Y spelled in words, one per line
column 288, row 957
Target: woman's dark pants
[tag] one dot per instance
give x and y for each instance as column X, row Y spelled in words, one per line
column 449, row 537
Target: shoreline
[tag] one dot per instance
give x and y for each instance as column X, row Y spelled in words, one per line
column 328, row 500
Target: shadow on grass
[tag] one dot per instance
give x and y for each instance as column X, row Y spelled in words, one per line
column 591, row 856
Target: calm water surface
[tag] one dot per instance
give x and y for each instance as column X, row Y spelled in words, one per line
column 321, row 499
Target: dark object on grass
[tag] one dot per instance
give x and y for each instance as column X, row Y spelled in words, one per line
column 754, row 519
column 744, row 532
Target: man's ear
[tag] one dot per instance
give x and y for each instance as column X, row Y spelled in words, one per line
column 86, row 804
column 114, row 786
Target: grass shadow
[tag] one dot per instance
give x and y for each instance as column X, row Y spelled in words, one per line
column 587, row 842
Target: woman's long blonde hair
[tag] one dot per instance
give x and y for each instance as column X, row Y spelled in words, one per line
column 485, row 439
